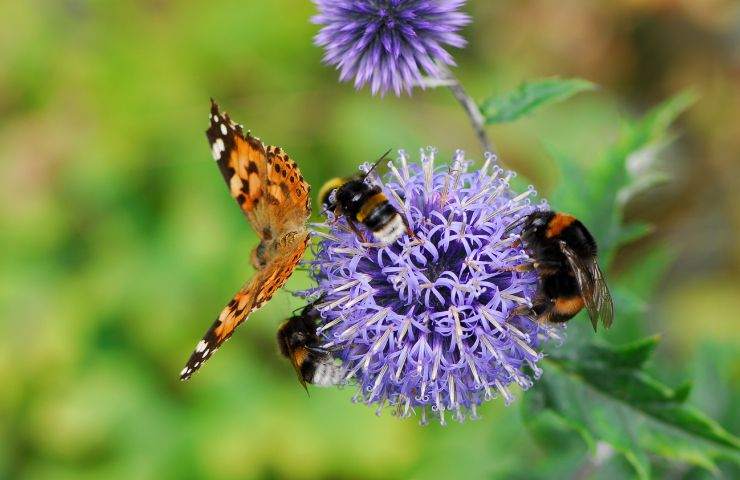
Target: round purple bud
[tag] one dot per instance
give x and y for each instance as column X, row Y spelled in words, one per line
column 388, row 43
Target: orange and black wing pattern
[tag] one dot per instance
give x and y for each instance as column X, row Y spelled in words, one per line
column 269, row 188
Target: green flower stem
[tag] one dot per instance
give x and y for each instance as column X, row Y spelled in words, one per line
column 474, row 114
column 478, row 122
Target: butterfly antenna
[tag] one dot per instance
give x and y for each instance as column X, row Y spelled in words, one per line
column 376, row 163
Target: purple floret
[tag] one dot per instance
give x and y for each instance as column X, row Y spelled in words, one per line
column 424, row 323
column 388, row 43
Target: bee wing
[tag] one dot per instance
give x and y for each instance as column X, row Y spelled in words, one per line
column 593, row 288
column 293, row 355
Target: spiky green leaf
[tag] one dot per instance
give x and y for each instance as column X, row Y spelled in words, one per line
column 531, row 96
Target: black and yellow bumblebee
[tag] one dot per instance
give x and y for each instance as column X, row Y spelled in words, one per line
column 360, row 202
column 564, row 254
column 300, row 343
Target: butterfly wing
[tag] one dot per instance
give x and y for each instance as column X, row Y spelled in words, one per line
column 593, row 288
column 272, row 193
column 264, row 180
column 248, row 299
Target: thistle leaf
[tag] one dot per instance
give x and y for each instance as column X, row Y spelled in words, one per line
column 598, row 193
column 603, row 394
column 531, row 96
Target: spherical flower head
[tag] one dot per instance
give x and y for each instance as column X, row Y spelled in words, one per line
column 388, row 43
column 426, row 323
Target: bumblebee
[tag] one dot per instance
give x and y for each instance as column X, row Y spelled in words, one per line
column 299, row 343
column 359, row 202
column 564, row 254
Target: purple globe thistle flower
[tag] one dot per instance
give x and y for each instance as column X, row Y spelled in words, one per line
column 387, row 43
column 425, row 323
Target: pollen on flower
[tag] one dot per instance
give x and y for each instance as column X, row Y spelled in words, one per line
column 425, row 325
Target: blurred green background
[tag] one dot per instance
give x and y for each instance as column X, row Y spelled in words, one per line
column 119, row 243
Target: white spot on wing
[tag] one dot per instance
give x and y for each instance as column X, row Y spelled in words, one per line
column 201, row 346
column 217, row 148
column 224, row 131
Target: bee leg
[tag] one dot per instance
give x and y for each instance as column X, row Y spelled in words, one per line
column 541, row 310
column 409, row 232
column 524, row 267
column 548, row 317
column 328, row 349
column 356, row 230
column 521, row 310
column 337, row 215
column 319, row 350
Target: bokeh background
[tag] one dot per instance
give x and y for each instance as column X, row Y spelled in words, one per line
column 119, row 243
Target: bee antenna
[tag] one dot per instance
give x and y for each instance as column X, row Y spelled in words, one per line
column 376, row 163
column 325, row 210
column 310, row 305
column 515, row 224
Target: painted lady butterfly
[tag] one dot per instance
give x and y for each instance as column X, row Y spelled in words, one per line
column 269, row 188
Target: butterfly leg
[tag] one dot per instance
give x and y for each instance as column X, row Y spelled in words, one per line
column 259, row 260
